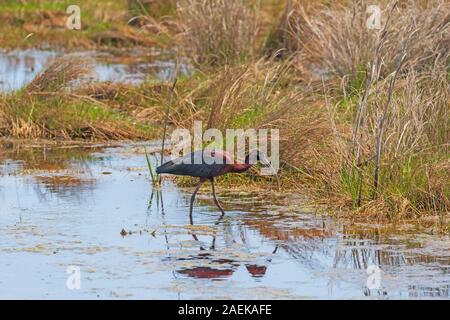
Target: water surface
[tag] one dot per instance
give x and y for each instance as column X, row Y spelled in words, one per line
column 19, row 67
column 94, row 208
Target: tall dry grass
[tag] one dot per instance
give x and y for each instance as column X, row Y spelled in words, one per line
column 336, row 37
column 218, row 32
column 60, row 74
column 400, row 135
column 260, row 95
column 404, row 167
column 387, row 96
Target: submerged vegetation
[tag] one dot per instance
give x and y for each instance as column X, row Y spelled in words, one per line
column 363, row 113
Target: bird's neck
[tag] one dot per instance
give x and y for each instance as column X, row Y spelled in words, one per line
column 240, row 167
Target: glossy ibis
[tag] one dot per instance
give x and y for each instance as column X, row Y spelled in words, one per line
column 205, row 166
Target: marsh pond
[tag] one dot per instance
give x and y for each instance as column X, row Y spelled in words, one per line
column 90, row 212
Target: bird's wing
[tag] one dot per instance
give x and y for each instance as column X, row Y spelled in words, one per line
column 180, row 163
column 195, row 157
column 205, row 157
column 196, row 164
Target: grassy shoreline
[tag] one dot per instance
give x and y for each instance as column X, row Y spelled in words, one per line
column 363, row 115
column 42, row 24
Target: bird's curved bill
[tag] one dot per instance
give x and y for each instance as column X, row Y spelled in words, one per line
column 265, row 161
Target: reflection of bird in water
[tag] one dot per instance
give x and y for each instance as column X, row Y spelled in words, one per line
column 256, row 271
column 207, row 166
column 227, row 266
column 207, row 272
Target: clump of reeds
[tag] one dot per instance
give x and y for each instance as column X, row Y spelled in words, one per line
column 390, row 122
column 155, row 178
column 286, row 33
column 62, row 72
column 400, row 149
column 218, row 31
column 336, row 37
column 49, row 108
column 400, row 131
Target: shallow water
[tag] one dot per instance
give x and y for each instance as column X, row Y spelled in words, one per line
column 68, row 206
column 19, row 67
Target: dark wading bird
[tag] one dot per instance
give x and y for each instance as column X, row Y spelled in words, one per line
column 205, row 166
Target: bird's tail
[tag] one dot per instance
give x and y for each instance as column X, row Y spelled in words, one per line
column 164, row 168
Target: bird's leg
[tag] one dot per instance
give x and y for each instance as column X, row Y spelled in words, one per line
column 215, row 198
column 193, row 196
column 190, row 215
